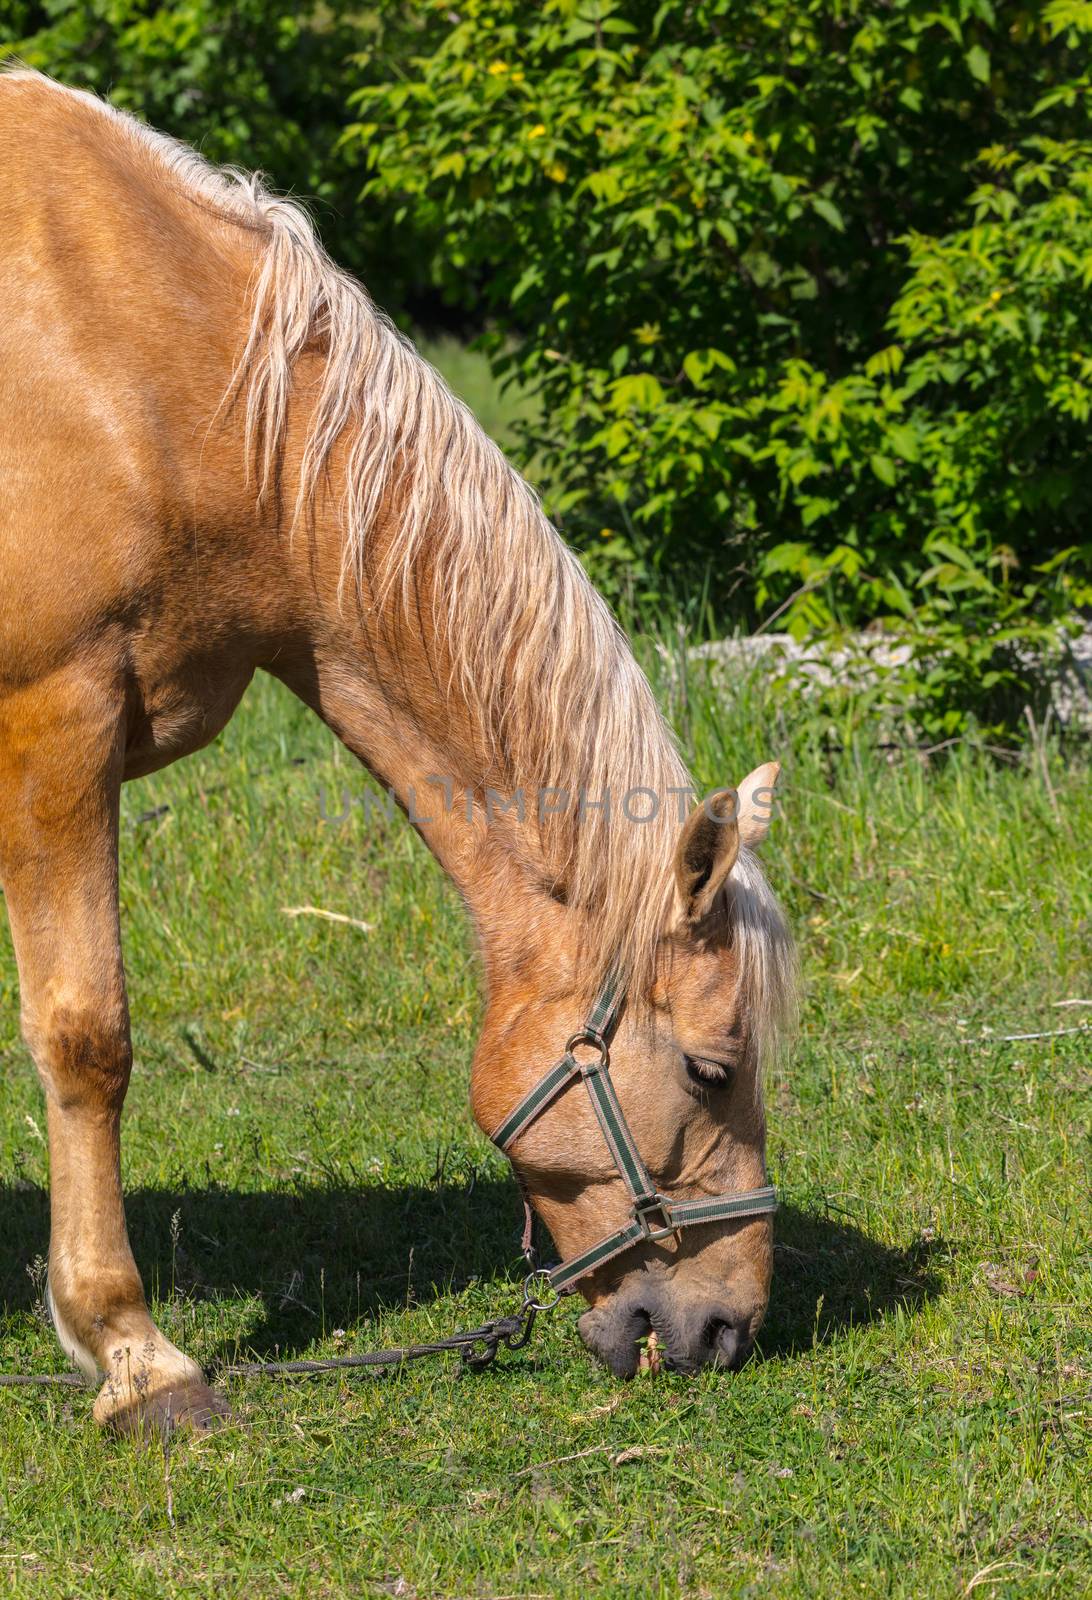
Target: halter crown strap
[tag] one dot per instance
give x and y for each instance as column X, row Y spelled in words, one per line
column 603, row 1016
column 655, row 1215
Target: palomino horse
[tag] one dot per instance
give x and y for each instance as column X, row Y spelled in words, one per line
column 218, row 456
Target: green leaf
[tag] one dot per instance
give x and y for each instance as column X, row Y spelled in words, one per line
column 829, row 212
column 978, row 61
column 454, row 163
column 640, row 390
column 530, row 276
column 904, row 441
column 883, row 467
column 605, row 184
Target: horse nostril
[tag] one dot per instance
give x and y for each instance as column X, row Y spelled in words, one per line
column 729, row 1343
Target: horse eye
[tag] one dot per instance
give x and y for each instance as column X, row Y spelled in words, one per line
column 707, row 1074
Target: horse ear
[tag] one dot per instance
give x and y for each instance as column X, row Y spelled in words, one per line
column 756, row 803
column 706, row 853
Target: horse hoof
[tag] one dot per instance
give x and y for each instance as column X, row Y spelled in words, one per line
column 190, row 1405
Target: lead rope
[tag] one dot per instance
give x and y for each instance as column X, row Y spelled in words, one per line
column 478, row 1348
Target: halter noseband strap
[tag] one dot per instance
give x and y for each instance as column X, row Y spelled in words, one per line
column 655, row 1215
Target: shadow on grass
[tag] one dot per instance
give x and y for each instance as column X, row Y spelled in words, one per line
column 830, row 1276
column 320, row 1257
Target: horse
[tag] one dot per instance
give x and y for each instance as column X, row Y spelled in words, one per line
column 220, row 457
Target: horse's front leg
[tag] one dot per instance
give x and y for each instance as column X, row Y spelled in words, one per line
column 60, row 779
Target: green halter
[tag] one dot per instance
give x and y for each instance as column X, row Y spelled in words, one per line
column 655, row 1215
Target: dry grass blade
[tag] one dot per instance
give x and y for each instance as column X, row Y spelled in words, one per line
column 328, row 916
column 637, row 1452
column 1022, row 1038
column 557, row 1461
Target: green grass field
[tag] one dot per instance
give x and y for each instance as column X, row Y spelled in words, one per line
column 304, row 1177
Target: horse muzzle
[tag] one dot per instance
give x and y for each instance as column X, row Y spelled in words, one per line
column 694, row 1331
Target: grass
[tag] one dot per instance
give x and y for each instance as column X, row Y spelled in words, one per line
column 300, row 1160
column 304, row 1177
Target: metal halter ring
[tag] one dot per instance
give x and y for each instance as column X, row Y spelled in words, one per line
column 530, row 1302
column 594, row 1041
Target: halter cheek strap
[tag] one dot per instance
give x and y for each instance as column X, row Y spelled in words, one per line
column 655, row 1215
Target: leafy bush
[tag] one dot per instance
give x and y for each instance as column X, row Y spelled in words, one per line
column 801, row 289
column 798, row 341
column 946, row 481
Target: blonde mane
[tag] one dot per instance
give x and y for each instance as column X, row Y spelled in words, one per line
column 528, row 643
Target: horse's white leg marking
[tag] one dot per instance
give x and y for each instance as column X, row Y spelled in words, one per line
column 75, row 1352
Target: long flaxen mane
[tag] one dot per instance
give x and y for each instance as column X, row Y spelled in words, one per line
column 528, row 644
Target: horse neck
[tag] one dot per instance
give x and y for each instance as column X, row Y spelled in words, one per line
column 373, row 678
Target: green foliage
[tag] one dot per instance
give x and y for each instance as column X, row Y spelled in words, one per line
column 793, row 296
column 803, row 290
column 957, row 454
